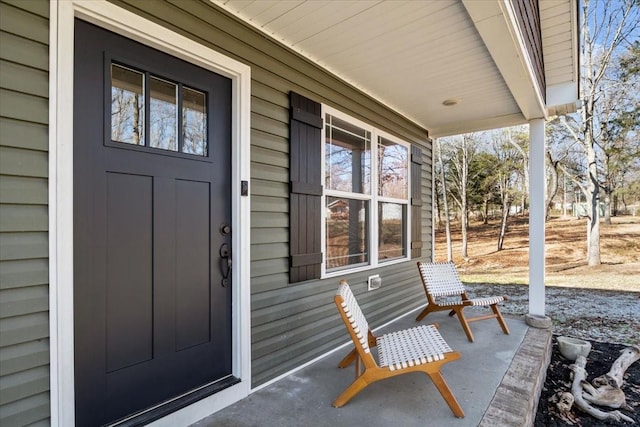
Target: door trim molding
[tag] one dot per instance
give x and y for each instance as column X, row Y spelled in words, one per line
column 61, row 62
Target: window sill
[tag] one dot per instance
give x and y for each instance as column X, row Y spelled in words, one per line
column 345, row 272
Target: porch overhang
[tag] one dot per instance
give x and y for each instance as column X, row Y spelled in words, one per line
column 451, row 66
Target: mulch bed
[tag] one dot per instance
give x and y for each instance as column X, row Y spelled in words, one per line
column 599, row 362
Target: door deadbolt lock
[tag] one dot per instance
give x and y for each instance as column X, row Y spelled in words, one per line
column 225, row 229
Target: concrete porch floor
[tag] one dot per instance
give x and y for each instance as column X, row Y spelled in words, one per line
column 497, row 382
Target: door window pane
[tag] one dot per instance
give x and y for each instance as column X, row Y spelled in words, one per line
column 348, row 157
column 194, row 122
column 163, row 114
column 127, row 105
column 391, row 231
column 347, row 225
column 393, row 165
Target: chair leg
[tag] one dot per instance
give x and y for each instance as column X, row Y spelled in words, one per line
column 447, row 394
column 464, row 323
column 348, row 394
column 503, row 324
column 423, row 313
column 348, row 359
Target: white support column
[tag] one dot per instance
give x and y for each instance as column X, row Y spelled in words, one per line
column 537, row 191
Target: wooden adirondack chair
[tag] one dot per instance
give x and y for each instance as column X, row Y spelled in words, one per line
column 445, row 291
column 416, row 349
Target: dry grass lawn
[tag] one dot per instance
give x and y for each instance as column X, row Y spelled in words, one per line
column 565, row 254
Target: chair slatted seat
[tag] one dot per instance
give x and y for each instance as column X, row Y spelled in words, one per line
column 445, row 291
column 420, row 348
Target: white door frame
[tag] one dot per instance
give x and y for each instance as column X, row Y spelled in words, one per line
column 61, row 64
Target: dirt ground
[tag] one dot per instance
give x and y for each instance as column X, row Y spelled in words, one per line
column 565, row 254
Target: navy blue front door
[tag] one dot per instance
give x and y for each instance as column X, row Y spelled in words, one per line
column 152, row 215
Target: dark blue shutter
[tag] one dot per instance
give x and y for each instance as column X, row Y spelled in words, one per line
column 416, row 202
column 305, row 248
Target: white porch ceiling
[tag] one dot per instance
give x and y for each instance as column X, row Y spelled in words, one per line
column 413, row 55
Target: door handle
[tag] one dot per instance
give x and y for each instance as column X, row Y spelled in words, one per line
column 225, row 264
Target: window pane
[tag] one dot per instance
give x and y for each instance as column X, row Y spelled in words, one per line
column 348, row 157
column 163, row 112
column 347, row 225
column 392, row 242
column 127, row 105
column 393, row 169
column 194, row 122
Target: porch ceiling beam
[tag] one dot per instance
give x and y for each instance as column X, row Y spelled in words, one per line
column 477, row 125
column 496, row 22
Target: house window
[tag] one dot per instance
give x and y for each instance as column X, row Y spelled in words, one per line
column 366, row 195
column 393, row 191
column 153, row 112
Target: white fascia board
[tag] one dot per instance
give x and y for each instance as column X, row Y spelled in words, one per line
column 497, row 25
column 562, row 98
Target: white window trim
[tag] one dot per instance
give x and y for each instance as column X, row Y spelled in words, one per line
column 61, row 66
column 373, row 198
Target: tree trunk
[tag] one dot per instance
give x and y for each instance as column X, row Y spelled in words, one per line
column 464, row 215
column 552, row 188
column 485, row 211
column 447, row 220
column 593, row 208
column 506, row 206
column 464, row 224
column 437, row 209
column 607, row 207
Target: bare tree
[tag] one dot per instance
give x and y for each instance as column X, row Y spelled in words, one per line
column 462, row 152
column 619, row 124
column 509, row 156
column 519, row 139
column 447, row 219
column 606, row 25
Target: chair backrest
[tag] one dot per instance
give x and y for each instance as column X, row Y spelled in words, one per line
column 356, row 320
column 440, row 279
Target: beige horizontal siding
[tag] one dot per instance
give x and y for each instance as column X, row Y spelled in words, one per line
column 23, row 384
column 269, row 219
column 269, row 141
column 16, row 302
column 21, row 329
column 23, row 51
column 18, row 20
column 23, row 190
column 24, row 289
column 24, row 107
column 261, row 187
column 16, row 161
column 26, row 135
column 23, row 272
column 36, row 7
column 20, row 357
column 24, row 79
column 23, row 217
column 30, row 411
column 16, row 246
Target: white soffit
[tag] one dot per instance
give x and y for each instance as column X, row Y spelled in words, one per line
column 410, row 55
